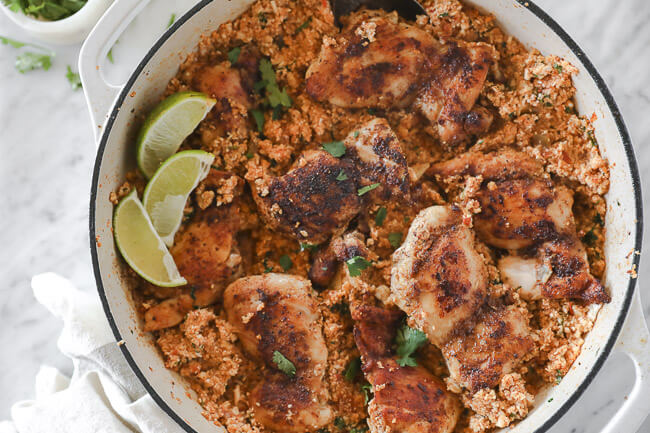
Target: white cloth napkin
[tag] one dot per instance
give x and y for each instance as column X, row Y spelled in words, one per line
column 103, row 394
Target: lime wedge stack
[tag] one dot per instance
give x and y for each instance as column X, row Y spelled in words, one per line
column 167, row 191
column 141, row 246
column 168, row 124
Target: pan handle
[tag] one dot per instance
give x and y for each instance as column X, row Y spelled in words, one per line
column 100, row 95
column 634, row 341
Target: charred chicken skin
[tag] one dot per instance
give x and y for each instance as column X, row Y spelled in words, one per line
column 526, row 213
column 379, row 62
column 276, row 313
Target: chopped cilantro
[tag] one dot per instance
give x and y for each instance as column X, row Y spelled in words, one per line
column 335, row 148
column 12, row 42
column 305, row 246
column 262, row 17
column 342, row 176
column 353, row 369
column 408, row 340
column 339, row 423
column 557, row 68
column 267, row 268
column 303, row 25
column 550, row 399
column 568, row 109
column 233, row 55
column 395, row 239
column 259, row 120
column 371, row 111
column 443, row 15
column 355, row 134
column 275, row 96
column 599, row 220
column 381, row 216
column 558, row 376
column 589, row 238
column 249, row 155
column 366, row 388
column 283, row 364
column 29, row 61
column 285, row 262
column 357, row 264
column 73, row 79
column 368, row 188
column 171, row 21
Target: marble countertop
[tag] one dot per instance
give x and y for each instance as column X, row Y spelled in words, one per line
column 47, row 154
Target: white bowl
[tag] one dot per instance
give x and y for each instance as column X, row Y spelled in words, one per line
column 69, row 30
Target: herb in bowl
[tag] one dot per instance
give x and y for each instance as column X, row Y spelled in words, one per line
column 48, row 10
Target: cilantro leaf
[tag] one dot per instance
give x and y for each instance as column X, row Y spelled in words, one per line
column 283, row 364
column 285, row 262
column 381, row 216
column 365, row 189
column 303, row 26
column 342, row 176
column 73, row 79
column 395, row 239
column 357, row 264
column 335, row 148
column 275, row 96
column 353, row 369
column 172, row 19
column 366, row 388
column 305, row 246
column 29, row 61
column 14, row 43
column 259, row 119
column 408, row 340
column 233, row 55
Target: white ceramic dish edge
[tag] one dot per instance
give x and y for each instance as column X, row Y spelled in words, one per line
column 114, row 130
column 69, row 30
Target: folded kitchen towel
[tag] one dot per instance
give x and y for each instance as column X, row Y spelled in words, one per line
column 103, row 394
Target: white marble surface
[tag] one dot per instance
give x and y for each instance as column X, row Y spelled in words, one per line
column 47, row 153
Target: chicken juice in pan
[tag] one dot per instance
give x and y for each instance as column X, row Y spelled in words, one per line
column 401, row 230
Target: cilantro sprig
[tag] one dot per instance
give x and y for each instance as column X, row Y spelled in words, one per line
column 29, row 60
column 50, row 10
column 277, row 97
column 408, row 341
column 357, row 264
column 380, row 216
column 73, row 79
column 334, row 148
column 353, row 369
column 283, row 364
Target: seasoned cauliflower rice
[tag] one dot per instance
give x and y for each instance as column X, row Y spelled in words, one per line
column 531, row 97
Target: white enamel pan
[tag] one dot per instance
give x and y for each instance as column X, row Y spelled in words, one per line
column 620, row 325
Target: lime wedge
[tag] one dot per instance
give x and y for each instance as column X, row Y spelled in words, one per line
column 167, row 191
column 141, row 247
column 167, row 126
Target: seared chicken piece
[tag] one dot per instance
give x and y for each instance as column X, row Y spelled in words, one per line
column 479, row 357
column 376, row 154
column 406, row 399
column 232, row 87
column 438, row 278
column 207, row 255
column 319, row 196
column 309, row 202
column 522, row 210
column 379, row 62
column 276, row 313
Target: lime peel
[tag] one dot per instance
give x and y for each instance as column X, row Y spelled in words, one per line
column 167, row 126
column 140, row 245
column 167, row 192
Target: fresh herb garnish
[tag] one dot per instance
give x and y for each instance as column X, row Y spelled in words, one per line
column 357, row 264
column 275, row 96
column 599, row 220
column 339, row 423
column 355, row 134
column 305, row 246
column 172, row 19
column 395, row 239
column 233, row 55
column 51, row 10
column 443, row 15
column 550, row 399
column 362, row 429
column 408, row 340
column 73, row 79
column 109, row 55
column 262, row 17
column 267, row 268
column 365, row 189
column 366, row 388
column 371, row 111
column 558, row 376
column 303, row 25
column 259, row 120
column 285, row 262
column 335, row 148
column 353, row 369
column 14, row 43
column 342, row 176
column 29, row 61
column 381, row 216
column 283, row 364
column 589, row 238
column 557, row 68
